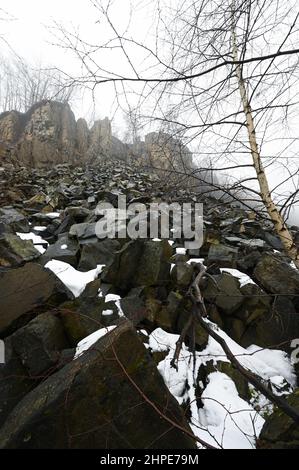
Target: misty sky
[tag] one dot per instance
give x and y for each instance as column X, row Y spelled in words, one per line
column 30, row 32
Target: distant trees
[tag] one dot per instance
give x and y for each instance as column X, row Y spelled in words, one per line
column 22, row 85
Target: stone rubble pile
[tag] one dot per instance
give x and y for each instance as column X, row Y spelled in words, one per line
column 130, row 287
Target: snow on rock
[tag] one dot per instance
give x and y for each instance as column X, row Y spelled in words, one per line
column 40, row 228
column 74, row 280
column 36, row 239
column 90, row 340
column 264, row 362
column 196, row 260
column 53, row 215
column 243, row 278
column 107, row 313
column 231, row 422
column 226, row 420
column 114, row 298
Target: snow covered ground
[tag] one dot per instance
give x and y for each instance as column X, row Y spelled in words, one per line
column 226, row 420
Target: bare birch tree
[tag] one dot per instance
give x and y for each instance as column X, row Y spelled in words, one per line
column 224, row 73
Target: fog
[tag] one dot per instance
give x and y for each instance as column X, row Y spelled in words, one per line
column 29, row 29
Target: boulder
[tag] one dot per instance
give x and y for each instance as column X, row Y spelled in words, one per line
column 64, row 249
column 24, row 289
column 139, row 263
column 154, row 267
column 83, row 231
column 99, row 252
column 223, row 255
column 275, row 327
column 279, row 430
column 14, row 251
column 39, row 343
column 98, row 402
column 14, row 220
column 181, row 274
column 79, row 214
column 277, row 276
column 224, row 291
column 83, row 316
column 15, row 381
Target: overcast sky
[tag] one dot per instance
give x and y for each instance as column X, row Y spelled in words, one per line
column 30, row 33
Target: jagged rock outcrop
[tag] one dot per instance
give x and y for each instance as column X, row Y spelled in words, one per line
column 48, row 134
column 100, row 140
column 162, row 152
column 45, row 135
column 82, row 136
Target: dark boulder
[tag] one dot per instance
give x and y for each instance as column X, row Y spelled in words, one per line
column 24, row 289
column 277, row 276
column 99, row 252
column 15, row 381
column 279, row 430
column 15, row 252
column 39, row 343
column 98, row 402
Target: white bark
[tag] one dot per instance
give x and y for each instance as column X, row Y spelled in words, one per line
column 265, row 193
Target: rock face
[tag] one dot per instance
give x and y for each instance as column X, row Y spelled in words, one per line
column 162, row 152
column 100, row 140
column 94, row 403
column 48, row 134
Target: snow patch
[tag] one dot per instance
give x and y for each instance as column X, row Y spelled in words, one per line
column 36, row 239
column 181, row 251
column 243, row 278
column 107, row 313
column 74, row 280
column 226, row 420
column 90, row 340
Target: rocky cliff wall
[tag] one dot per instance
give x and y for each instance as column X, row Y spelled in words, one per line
column 48, row 134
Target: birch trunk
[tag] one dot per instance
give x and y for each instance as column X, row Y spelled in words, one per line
column 265, row 193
